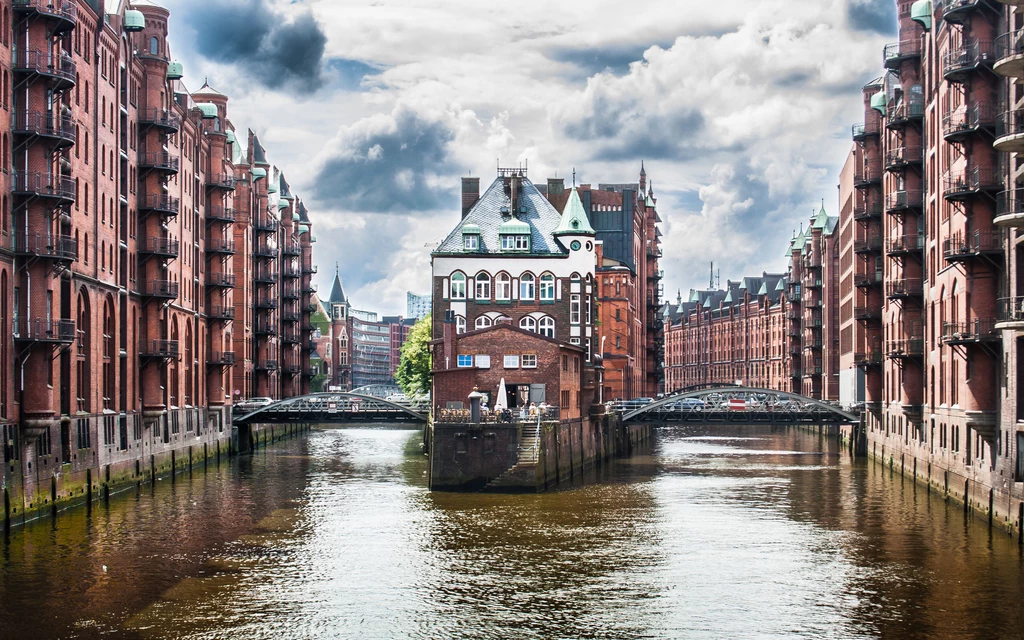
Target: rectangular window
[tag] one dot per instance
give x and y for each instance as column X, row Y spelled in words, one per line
column 574, row 309
column 483, row 362
column 483, row 289
column 529, row 361
column 459, row 288
column 508, row 242
column 465, row 361
column 511, row 362
column 547, row 288
column 523, row 243
column 471, row 242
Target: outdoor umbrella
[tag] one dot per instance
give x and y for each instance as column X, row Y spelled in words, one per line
column 502, row 400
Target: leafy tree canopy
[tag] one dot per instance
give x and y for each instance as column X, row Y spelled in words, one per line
column 413, row 374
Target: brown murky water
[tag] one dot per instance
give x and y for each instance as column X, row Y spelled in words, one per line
column 738, row 533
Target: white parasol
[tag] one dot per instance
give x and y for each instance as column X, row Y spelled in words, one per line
column 502, row 400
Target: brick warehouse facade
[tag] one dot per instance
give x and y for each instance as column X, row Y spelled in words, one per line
column 935, row 229
column 133, row 218
column 775, row 331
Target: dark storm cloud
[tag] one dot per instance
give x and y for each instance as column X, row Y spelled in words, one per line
column 279, row 51
column 878, row 16
column 621, row 127
column 388, row 163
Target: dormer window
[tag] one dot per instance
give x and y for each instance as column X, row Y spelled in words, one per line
column 515, row 243
column 471, row 242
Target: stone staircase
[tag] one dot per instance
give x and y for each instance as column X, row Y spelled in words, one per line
column 523, row 474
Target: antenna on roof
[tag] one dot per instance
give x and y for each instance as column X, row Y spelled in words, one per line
column 711, row 282
column 574, row 177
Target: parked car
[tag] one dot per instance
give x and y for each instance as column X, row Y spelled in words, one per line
column 688, row 404
column 252, row 404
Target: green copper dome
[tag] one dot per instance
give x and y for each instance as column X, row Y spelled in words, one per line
column 514, row 227
column 209, row 110
column 303, row 228
column 878, row 102
column 230, row 135
column 921, row 11
column 175, row 71
column 259, row 172
column 470, row 229
column 134, row 20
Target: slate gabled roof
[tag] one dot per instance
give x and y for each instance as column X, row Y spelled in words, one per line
column 259, row 154
column 337, row 292
column 540, row 215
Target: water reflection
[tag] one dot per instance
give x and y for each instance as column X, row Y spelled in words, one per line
column 731, row 532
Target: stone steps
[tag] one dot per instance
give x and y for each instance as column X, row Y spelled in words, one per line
column 525, row 464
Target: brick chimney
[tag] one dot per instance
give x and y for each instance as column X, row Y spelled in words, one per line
column 556, row 186
column 470, row 194
column 448, row 333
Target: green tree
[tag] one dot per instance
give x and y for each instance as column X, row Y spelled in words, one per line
column 413, row 374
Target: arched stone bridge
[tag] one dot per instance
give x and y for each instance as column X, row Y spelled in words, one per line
column 336, row 407
column 743, row 405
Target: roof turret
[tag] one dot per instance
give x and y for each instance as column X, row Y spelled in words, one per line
column 574, row 217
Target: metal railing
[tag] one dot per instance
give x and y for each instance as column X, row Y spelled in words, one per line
column 62, row 10
column 867, row 211
column 59, row 67
column 972, row 245
column 867, row 245
column 900, row 245
column 904, row 288
column 221, row 357
column 161, row 349
column 43, row 184
column 165, row 247
column 897, row 52
column 160, row 160
column 42, row 330
column 962, row 60
column 158, row 202
column 220, row 213
column 868, row 173
column 162, row 289
column 43, row 124
column 903, row 156
column 905, row 110
column 221, row 312
column 866, row 129
column 60, row 247
column 969, row 118
column 216, row 279
column 220, row 245
column 516, row 415
column 973, row 180
column 907, row 347
column 900, row 200
column 1011, row 309
column 976, row 330
column 220, row 181
column 159, row 118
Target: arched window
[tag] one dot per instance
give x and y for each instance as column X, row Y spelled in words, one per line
column 527, row 287
column 483, row 322
column 502, row 287
column 460, row 324
column 546, row 327
column 108, row 354
column 154, row 46
column 83, row 368
column 189, row 364
column 458, row 286
column 172, row 371
column 529, row 323
column 547, row 287
column 483, row 286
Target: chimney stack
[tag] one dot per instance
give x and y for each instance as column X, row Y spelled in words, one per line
column 556, row 186
column 470, row 194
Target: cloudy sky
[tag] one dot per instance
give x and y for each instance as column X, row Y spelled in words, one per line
column 740, row 110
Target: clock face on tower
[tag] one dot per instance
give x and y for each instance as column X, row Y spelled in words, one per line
column 575, row 246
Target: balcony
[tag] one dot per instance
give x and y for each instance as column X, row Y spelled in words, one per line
column 310, row 372
column 264, row 251
column 59, row 248
column 959, row 64
column 218, row 213
column 266, row 303
column 901, row 202
column 870, row 173
column 308, row 289
column 221, row 280
column 220, row 312
column 904, row 289
column 291, row 248
column 59, row 130
column 961, row 186
column 290, row 337
column 1011, row 313
column 1010, row 209
column 292, row 369
column 866, row 314
column 970, row 332
column 1009, row 54
column 58, row 70
column 967, row 120
column 973, row 245
column 1010, row 132
column 39, row 184
column 291, row 293
column 264, row 327
column 899, row 52
column 902, row 113
column 220, row 246
column 164, row 205
column 44, row 331
column 60, row 16
column 159, row 161
column 310, row 345
column 905, row 349
column 309, row 270
column 795, row 372
column 266, row 365
column 900, row 158
column 220, row 181
column 164, row 289
column 160, row 247
column 865, row 359
column 160, row 349
column 959, row 11
column 267, row 226
column 290, row 270
column 871, row 244
column 866, row 130
column 907, row 245
column 160, row 119
column 265, row 277
column 867, row 211
column 816, row 283
column 291, row 316
column 221, row 358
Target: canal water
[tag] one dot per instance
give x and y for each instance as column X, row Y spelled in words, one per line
column 746, row 532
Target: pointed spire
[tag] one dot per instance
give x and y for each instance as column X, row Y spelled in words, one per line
column 643, row 171
column 574, row 217
column 337, row 291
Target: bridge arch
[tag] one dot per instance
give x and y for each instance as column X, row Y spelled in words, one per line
column 719, row 404
column 332, row 407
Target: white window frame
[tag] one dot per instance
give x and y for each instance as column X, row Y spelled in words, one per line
column 522, row 243
column 483, row 286
column 458, row 281
column 529, row 323
column 527, row 287
column 471, row 242
column 503, row 287
column 547, row 286
column 574, row 308
column 546, row 326
column 460, row 325
column 483, row 362
column 511, row 361
column 528, row 361
column 482, row 322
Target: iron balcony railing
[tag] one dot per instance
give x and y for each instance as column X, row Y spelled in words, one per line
column 42, row 330
column 289, row 270
column 265, row 277
column 1010, row 204
column 290, row 337
column 220, row 213
column 160, row 349
column 64, row 13
column 1010, row 123
column 308, row 288
column 900, row 201
column 291, row 316
column 267, row 365
column 43, row 184
column 956, row 11
column 161, row 289
column 266, row 303
column 1011, row 309
column 220, row 358
column 60, row 69
column 867, row 313
column 902, row 157
column 905, row 348
column 291, row 248
column 220, row 245
column 962, row 184
column 160, row 203
column 62, row 248
column 308, row 270
column 976, row 330
column 267, row 225
column 217, row 279
column 220, row 181
column 867, row 245
column 265, row 327
column 37, row 123
column 897, row 52
column 904, row 288
column 866, row 211
column 867, row 279
column 960, row 62
column 865, row 130
column 291, row 293
column 159, row 161
column 902, row 112
column 959, row 248
column 867, row 359
column 163, row 247
column 161, row 118
column 869, row 173
column 905, row 245
column 264, row 251
column 221, row 312
column 969, row 118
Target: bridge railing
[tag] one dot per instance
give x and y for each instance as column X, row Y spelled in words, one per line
column 496, row 416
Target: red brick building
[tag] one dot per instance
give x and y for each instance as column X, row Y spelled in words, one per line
column 124, row 256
